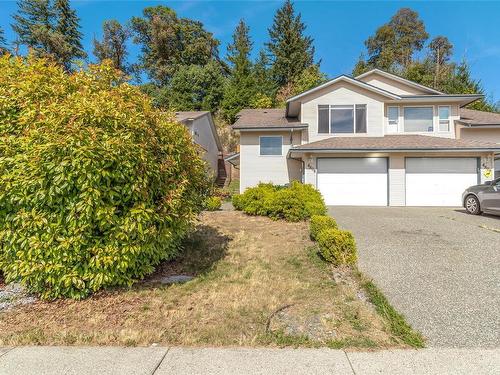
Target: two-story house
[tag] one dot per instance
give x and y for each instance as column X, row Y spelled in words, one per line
column 375, row 140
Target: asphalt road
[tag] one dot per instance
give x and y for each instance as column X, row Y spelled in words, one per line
column 438, row 266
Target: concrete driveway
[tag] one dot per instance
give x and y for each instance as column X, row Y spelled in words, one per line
column 438, row 266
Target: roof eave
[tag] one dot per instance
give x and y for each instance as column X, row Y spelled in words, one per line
column 389, row 150
column 270, row 128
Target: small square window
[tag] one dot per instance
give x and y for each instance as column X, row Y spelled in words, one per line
column 271, row 145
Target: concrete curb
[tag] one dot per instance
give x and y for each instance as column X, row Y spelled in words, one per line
column 235, row 361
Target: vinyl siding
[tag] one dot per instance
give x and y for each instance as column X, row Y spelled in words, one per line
column 481, row 134
column 343, row 94
column 202, row 134
column 255, row 168
column 390, row 85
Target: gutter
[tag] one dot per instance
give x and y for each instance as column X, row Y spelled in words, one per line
column 365, row 150
column 271, row 128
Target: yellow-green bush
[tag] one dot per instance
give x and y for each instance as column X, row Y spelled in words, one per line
column 337, row 246
column 320, row 222
column 96, row 185
column 213, row 203
column 293, row 203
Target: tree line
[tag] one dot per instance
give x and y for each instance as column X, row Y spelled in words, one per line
column 186, row 71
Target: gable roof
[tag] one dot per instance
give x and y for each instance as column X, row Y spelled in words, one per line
column 183, row 116
column 186, row 117
column 473, row 117
column 399, row 79
column 348, row 79
column 264, row 118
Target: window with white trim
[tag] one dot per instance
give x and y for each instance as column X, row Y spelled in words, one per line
column 393, row 119
column 444, row 118
column 342, row 119
column 418, row 119
column 271, row 145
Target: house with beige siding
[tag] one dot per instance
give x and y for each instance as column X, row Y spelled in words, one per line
column 376, row 140
column 204, row 133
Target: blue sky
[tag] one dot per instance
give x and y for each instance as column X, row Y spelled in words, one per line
column 339, row 28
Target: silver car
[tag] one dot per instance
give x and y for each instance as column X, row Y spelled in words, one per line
column 483, row 198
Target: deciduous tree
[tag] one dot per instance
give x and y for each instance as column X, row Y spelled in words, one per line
column 113, row 45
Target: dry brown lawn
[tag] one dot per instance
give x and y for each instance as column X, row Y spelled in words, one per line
column 257, row 282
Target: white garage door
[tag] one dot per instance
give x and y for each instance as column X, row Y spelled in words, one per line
column 438, row 181
column 353, row 181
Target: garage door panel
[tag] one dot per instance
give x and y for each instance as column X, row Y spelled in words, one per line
column 438, row 181
column 353, row 181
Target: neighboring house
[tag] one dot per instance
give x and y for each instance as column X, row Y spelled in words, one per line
column 481, row 126
column 376, row 140
column 204, row 133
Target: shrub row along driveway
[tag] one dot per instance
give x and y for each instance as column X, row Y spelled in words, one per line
column 438, row 266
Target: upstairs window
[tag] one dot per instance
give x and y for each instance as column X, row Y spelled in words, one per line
column 272, row 145
column 393, row 118
column 418, row 119
column 444, row 118
column 342, row 119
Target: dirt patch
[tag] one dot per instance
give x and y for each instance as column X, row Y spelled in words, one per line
column 245, row 269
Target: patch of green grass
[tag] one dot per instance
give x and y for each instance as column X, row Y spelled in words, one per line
column 397, row 322
column 355, row 342
column 282, row 339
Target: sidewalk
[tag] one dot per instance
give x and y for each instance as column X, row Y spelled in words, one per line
column 234, row 361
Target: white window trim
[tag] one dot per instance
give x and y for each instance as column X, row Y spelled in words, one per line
column 271, row 136
column 398, row 121
column 439, row 119
column 330, row 114
column 420, row 106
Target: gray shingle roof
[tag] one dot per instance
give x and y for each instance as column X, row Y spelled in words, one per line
column 189, row 115
column 396, row 142
column 474, row 117
column 266, row 118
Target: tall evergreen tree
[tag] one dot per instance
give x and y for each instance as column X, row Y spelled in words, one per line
column 68, row 26
column 50, row 30
column 113, row 45
column 290, row 50
column 32, row 15
column 240, row 88
column 264, row 83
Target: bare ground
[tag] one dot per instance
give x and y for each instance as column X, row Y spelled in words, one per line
column 257, row 282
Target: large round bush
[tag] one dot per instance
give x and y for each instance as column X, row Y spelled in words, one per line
column 96, row 185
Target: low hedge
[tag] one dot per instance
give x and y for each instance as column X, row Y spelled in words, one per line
column 292, row 203
column 319, row 223
column 337, row 246
column 213, row 203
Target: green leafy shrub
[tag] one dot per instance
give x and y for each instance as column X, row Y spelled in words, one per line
column 96, row 185
column 213, row 203
column 255, row 201
column 293, row 203
column 319, row 223
column 337, row 246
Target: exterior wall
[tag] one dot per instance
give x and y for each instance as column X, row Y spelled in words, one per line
column 277, row 169
column 202, row 134
column 344, row 93
column 436, row 133
column 397, row 171
column 339, row 94
column 393, row 86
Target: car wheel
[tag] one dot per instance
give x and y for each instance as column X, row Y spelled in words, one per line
column 472, row 205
